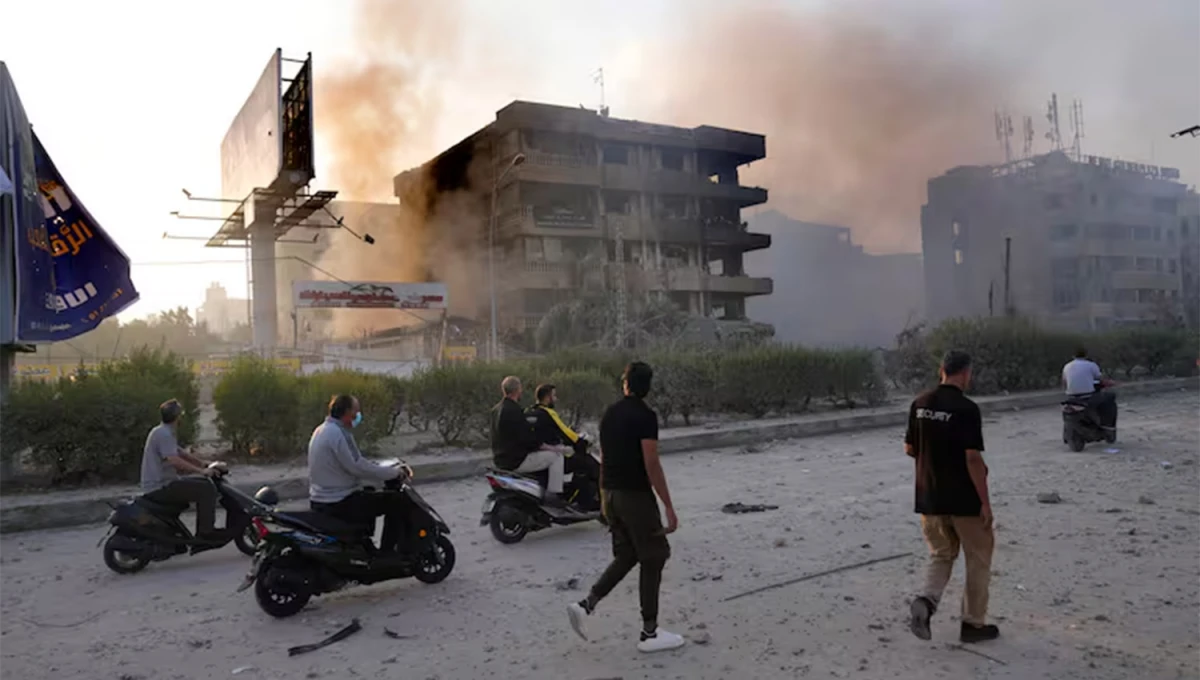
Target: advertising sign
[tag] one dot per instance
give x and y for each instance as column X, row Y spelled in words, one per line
column 368, row 295
column 70, row 275
column 252, row 150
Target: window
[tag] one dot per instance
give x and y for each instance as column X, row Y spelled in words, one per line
column 1165, row 206
column 1171, row 266
column 1124, row 295
column 955, row 228
column 1094, row 198
column 1143, row 233
column 674, row 207
column 1054, row 201
column 1158, row 233
column 534, row 251
column 958, row 256
column 618, row 202
column 1145, row 264
column 672, row 159
column 615, row 154
column 1063, row 232
column 552, row 249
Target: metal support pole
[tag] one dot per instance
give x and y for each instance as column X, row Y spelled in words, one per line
column 492, row 344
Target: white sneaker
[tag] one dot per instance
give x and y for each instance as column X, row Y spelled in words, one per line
column 577, row 614
column 662, row 641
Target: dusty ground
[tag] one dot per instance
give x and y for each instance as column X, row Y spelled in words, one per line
column 1097, row 586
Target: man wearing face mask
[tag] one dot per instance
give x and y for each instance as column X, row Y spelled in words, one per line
column 337, row 472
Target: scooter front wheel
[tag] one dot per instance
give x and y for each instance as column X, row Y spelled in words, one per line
column 1077, row 443
column 437, row 564
column 123, row 562
column 509, row 525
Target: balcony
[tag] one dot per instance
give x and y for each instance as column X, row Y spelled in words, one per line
column 1152, row 280
column 694, row 280
column 640, row 178
column 553, row 168
column 546, row 222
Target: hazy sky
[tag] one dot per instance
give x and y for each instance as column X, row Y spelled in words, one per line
column 133, row 98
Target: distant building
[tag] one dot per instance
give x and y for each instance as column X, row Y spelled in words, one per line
column 828, row 292
column 1189, row 258
column 596, row 199
column 1092, row 243
column 221, row 313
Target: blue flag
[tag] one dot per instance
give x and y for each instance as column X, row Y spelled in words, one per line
column 70, row 275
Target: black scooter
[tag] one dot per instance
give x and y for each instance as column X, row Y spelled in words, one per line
column 517, row 505
column 307, row 553
column 1081, row 424
column 143, row 531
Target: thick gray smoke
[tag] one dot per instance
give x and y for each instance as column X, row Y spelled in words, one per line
column 863, row 101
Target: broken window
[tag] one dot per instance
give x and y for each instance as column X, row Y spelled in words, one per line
column 618, row 202
column 616, row 154
column 673, row 207
column 672, row 159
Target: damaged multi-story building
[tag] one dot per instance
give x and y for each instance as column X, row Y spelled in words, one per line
column 584, row 202
column 1082, row 243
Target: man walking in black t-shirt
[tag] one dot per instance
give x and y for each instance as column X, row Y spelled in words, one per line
column 630, row 474
column 945, row 436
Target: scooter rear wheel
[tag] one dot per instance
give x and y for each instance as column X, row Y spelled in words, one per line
column 123, row 562
column 1077, row 443
column 508, row 525
column 279, row 602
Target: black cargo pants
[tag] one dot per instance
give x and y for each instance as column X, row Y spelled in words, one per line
column 637, row 539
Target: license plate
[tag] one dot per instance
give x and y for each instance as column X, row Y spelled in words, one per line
column 250, row 575
column 488, row 505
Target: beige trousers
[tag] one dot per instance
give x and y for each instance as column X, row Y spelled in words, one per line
column 945, row 534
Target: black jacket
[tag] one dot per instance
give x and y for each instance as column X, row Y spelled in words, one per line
column 513, row 437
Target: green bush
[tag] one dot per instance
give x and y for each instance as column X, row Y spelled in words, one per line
column 376, row 397
column 684, row 384
column 92, row 426
column 582, row 395
column 259, row 407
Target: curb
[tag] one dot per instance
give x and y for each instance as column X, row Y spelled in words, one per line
column 61, row 514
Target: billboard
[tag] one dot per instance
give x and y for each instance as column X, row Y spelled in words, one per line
column 368, row 295
column 252, row 151
column 70, row 275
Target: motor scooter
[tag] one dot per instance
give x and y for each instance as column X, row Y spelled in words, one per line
column 516, row 505
column 1081, row 423
column 142, row 531
column 308, row 553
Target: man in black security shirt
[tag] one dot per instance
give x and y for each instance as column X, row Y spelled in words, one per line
column 551, row 430
column 515, row 446
column 631, row 473
column 945, row 436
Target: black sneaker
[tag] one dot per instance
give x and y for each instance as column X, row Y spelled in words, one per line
column 922, row 610
column 972, row 633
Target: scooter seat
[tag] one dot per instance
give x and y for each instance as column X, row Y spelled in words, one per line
column 157, row 508
column 321, row 523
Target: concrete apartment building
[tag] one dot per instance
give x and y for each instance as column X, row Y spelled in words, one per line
column 598, row 203
column 831, row 292
column 1094, row 242
column 1189, row 258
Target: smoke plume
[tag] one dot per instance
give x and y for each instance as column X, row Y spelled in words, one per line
column 378, row 115
column 863, row 102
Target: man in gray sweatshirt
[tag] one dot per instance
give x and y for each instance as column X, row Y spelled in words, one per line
column 337, row 472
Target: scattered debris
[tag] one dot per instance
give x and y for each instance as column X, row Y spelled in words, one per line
column 89, row 619
column 396, row 636
column 244, row 669
column 876, row 626
column 1145, row 500
column 570, row 584
column 781, row 543
column 342, row 634
column 1051, row 497
column 1113, row 511
column 1166, row 465
column 964, row 648
column 1100, row 617
column 741, row 508
column 1112, row 450
column 701, row 638
column 819, row 574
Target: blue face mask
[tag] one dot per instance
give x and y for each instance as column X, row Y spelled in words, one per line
column 357, row 419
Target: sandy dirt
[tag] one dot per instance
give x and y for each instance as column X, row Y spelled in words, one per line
column 1101, row 585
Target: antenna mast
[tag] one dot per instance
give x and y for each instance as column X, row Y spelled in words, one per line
column 1054, row 135
column 1077, row 129
column 1027, row 132
column 1004, row 132
column 598, row 78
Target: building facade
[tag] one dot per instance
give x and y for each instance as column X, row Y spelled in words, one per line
column 1076, row 244
column 597, row 203
column 832, row 293
column 1189, row 258
column 221, row 313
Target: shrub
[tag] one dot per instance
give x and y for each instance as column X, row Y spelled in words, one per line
column 582, row 394
column 684, row 384
column 376, row 399
column 92, row 427
column 259, row 409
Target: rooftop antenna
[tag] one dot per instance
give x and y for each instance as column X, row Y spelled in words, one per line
column 1077, row 129
column 598, row 78
column 1027, row 137
column 1054, row 135
column 1004, row 132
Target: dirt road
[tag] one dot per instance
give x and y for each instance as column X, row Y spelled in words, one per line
column 1101, row 585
